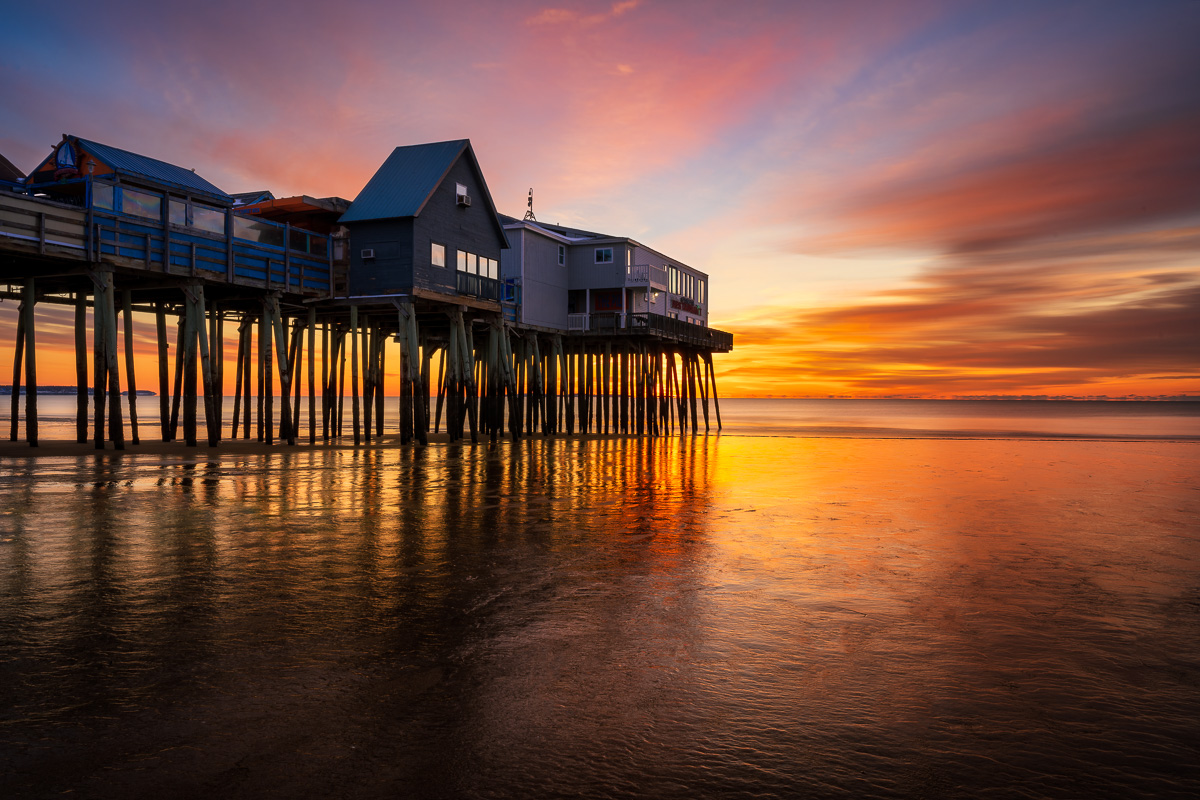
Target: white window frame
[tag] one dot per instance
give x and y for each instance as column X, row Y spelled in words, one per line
column 562, row 255
column 607, row 250
column 434, row 247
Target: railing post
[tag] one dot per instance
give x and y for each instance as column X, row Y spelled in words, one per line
column 42, row 233
column 228, row 247
column 287, row 256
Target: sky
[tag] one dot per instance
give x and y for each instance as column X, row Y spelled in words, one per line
column 929, row 199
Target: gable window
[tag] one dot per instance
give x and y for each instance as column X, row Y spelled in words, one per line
column 437, row 254
column 604, row 255
column 562, row 255
column 460, row 189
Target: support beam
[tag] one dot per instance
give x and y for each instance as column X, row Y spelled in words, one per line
column 116, row 427
column 130, row 372
column 164, row 386
column 18, row 361
column 81, row 378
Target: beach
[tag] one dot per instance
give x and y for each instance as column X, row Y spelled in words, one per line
column 734, row 615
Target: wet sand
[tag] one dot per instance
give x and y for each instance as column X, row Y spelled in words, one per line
column 712, row 616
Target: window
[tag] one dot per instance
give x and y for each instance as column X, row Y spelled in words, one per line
column 462, row 260
column 208, row 219
column 437, row 255
column 178, row 211
column 257, row 230
column 460, row 189
column 102, row 196
column 604, row 255
column 562, row 255
column 140, row 204
column 702, row 292
column 629, row 257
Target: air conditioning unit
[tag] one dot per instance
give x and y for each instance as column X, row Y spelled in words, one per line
column 368, row 253
column 464, row 199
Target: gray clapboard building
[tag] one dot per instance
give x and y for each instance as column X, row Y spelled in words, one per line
column 425, row 225
column 577, row 280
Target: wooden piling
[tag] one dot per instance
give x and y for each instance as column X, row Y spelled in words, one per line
column 212, row 425
column 188, row 356
column 177, row 398
column 81, row 378
column 312, row 375
column 164, row 372
column 354, row 372
column 116, row 427
column 295, row 356
column 248, row 321
column 99, row 371
column 264, row 357
column 239, row 374
column 130, row 373
column 712, row 376
column 18, row 361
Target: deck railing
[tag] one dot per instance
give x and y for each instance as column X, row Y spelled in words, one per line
column 654, row 324
column 646, row 275
column 478, row 286
column 249, row 251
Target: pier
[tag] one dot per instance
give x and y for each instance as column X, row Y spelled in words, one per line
column 305, row 288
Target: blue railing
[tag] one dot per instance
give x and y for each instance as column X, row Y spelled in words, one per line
column 128, row 222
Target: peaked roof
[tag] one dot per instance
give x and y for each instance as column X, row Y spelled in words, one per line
column 250, row 198
column 133, row 165
column 405, row 182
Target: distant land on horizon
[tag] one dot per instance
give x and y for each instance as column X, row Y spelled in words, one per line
column 7, row 390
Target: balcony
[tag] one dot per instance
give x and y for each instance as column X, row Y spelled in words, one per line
column 650, row 275
column 478, row 286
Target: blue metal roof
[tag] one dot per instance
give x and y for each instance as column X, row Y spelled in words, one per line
column 124, row 162
column 404, row 183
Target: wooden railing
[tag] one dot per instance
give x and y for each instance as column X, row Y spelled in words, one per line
column 478, row 286
column 653, row 324
column 646, row 275
column 300, row 263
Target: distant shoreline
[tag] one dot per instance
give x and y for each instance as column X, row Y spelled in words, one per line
column 6, row 391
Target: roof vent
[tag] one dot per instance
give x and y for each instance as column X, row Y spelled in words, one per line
column 464, row 199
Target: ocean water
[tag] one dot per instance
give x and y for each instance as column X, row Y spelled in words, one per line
column 844, row 603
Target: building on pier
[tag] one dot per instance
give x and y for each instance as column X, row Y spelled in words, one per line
column 425, row 226
column 577, row 280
